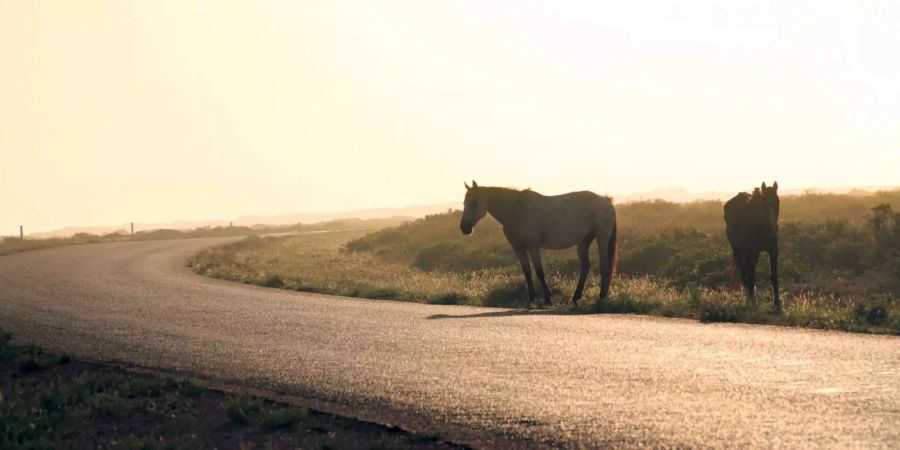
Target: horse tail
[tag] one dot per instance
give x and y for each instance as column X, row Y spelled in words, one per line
column 612, row 255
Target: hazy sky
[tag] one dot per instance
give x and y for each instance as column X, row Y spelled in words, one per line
column 159, row 110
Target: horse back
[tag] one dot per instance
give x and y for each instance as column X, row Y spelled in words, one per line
column 736, row 208
column 562, row 221
column 738, row 227
column 597, row 207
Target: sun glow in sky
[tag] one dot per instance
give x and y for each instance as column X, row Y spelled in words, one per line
column 160, row 110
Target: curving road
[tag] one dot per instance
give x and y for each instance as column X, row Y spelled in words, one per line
column 489, row 377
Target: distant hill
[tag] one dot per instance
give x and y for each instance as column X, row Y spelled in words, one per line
column 681, row 195
column 377, row 213
column 673, row 194
column 411, row 212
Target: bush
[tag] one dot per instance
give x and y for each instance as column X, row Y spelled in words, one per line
column 875, row 315
column 245, row 410
column 273, row 281
column 448, row 298
column 459, row 257
column 718, row 313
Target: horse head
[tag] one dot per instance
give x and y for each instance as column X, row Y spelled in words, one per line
column 474, row 207
column 771, row 204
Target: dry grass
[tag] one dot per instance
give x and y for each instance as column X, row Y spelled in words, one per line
column 319, row 263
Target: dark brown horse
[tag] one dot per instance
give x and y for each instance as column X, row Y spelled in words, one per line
column 751, row 224
column 532, row 221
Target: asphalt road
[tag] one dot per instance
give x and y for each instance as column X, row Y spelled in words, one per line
column 490, row 377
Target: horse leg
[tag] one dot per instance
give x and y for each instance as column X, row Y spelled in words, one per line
column 605, row 269
column 743, row 268
column 773, row 263
column 526, row 269
column 539, row 269
column 752, row 259
column 738, row 275
column 584, row 261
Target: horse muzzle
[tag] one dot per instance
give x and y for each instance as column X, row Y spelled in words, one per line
column 465, row 228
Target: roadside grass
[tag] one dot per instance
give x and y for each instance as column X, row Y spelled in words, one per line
column 322, row 264
column 51, row 401
column 318, row 264
column 247, row 410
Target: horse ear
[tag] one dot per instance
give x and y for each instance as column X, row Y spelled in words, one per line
column 474, row 184
column 466, row 185
column 763, row 186
column 775, row 186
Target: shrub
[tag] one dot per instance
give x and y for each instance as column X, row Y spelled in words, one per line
column 251, row 411
column 875, row 315
column 458, row 257
column 448, row 298
column 273, row 281
column 718, row 313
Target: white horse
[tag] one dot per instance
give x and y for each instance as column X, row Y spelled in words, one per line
column 532, row 221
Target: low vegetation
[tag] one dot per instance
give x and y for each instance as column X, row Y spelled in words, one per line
column 14, row 244
column 50, row 401
column 840, row 265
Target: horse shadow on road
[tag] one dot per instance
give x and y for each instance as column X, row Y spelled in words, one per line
column 512, row 296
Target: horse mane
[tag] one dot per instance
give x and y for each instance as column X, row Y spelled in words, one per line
column 519, row 193
column 507, row 188
column 756, row 198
